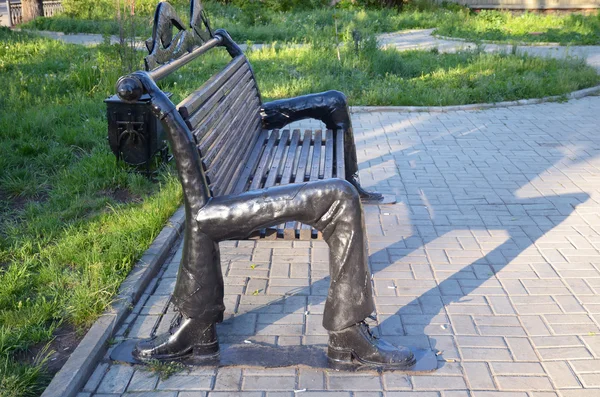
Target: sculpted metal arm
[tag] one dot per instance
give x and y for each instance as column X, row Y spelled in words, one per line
column 195, row 189
column 331, row 108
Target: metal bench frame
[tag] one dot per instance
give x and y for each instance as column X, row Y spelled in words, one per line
column 225, row 140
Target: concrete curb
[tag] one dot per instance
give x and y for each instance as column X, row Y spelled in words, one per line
column 82, row 362
column 477, row 106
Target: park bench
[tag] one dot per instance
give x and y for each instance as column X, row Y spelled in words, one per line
column 226, row 117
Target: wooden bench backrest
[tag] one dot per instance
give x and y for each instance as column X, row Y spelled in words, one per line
column 224, row 118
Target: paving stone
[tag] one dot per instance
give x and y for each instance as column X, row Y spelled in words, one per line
column 509, row 368
column 521, row 349
column 579, row 393
column 479, row 354
column 362, row 382
column 116, row 379
column 427, row 382
column 269, row 383
column 310, row 379
column 478, row 376
column 583, row 366
column 96, row 377
column 525, row 383
column 186, row 383
column 561, row 375
column 564, row 353
column 228, row 379
column 142, row 381
column 396, row 381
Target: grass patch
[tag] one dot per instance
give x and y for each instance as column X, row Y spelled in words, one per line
column 66, row 240
column 500, row 26
column 260, row 25
column 421, row 78
column 73, row 224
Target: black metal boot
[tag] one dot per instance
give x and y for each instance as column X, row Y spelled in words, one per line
column 185, row 337
column 365, row 197
column 358, row 343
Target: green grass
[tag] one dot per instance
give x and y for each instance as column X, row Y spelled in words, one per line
column 527, row 27
column 67, row 242
column 421, row 78
column 261, row 25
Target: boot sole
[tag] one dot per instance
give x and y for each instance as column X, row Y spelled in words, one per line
column 345, row 357
column 199, row 351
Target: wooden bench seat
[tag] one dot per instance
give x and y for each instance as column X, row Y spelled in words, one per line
column 238, row 155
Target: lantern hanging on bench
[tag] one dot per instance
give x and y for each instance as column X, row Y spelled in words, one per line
column 135, row 135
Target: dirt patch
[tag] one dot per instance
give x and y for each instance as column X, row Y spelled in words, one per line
column 121, row 195
column 66, row 339
column 18, row 203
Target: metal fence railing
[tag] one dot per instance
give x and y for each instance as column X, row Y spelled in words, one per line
column 15, row 12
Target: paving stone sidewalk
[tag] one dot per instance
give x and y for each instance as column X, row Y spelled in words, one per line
column 491, row 257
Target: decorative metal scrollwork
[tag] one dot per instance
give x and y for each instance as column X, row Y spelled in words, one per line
column 163, row 46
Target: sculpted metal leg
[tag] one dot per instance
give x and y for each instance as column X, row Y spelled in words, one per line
column 331, row 108
column 333, row 207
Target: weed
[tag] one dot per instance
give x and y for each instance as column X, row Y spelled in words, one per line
column 165, row 370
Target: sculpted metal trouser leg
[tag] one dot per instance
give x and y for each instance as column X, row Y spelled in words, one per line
column 333, row 207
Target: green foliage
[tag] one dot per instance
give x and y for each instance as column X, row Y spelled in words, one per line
column 164, row 370
column 296, row 20
column 415, row 78
column 526, row 27
column 102, row 9
column 66, row 241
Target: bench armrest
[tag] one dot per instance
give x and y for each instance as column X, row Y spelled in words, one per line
column 330, row 107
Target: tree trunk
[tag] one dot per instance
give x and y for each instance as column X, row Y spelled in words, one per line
column 393, row 4
column 32, row 9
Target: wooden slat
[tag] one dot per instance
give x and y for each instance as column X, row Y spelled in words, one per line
column 265, row 159
column 190, row 104
column 210, row 132
column 229, row 166
column 213, row 109
column 316, row 157
column 301, row 167
column 307, row 231
column 303, row 171
column 328, row 171
column 237, row 131
column 339, row 155
column 271, row 232
column 286, row 176
column 230, row 129
column 250, row 163
column 303, row 159
column 277, row 159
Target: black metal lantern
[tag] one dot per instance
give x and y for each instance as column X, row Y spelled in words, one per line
column 135, row 135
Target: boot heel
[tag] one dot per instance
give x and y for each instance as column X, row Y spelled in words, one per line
column 339, row 355
column 206, row 351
